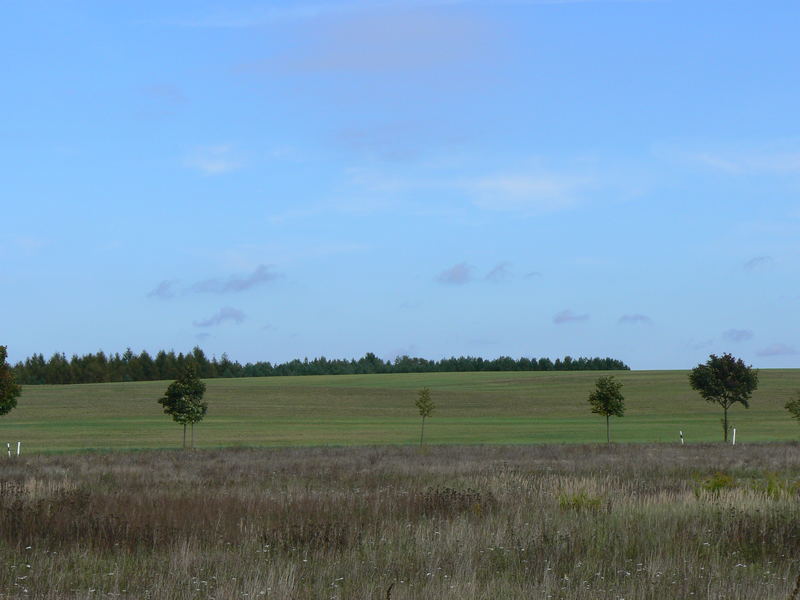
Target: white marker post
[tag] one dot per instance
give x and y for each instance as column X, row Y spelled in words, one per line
column 19, row 445
column 733, row 441
column 681, row 437
column 8, row 445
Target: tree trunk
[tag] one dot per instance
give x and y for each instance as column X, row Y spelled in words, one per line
column 192, row 436
column 608, row 431
column 422, row 432
column 184, row 435
column 725, row 409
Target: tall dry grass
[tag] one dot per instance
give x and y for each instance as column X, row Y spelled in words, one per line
column 570, row 522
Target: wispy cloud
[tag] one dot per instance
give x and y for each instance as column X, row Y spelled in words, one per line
column 398, row 142
column 750, row 163
column 26, row 245
column 160, row 100
column 262, row 16
column 499, row 273
column 635, row 319
column 699, row 344
column 532, row 274
column 737, row 335
column 757, row 262
column 777, row 350
column 392, row 39
column 165, row 289
column 169, row 288
column 165, row 92
column 236, row 283
column 568, row 316
column 526, row 193
column 223, row 315
column 456, row 275
column 213, row 160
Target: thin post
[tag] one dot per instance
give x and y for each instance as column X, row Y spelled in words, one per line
column 422, row 432
column 681, row 432
column 733, row 443
column 192, row 435
column 19, row 444
column 184, row 435
column 8, row 444
column 608, row 430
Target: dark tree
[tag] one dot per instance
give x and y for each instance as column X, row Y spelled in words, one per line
column 607, row 400
column 425, row 406
column 183, row 401
column 724, row 380
column 9, row 390
column 793, row 406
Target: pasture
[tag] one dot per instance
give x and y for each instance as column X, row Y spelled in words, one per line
column 471, row 408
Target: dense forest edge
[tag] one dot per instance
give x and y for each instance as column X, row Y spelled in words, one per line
column 129, row 366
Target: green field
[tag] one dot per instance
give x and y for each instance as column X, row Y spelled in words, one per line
column 472, row 408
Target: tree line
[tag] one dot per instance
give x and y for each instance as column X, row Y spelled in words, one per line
column 100, row 367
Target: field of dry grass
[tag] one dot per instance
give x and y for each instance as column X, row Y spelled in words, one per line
column 588, row 522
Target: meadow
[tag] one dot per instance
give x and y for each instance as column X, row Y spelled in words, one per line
column 472, row 408
column 488, row 509
column 588, row 522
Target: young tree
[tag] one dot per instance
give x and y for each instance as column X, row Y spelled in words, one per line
column 607, row 400
column 183, row 401
column 793, row 406
column 724, row 380
column 425, row 406
column 9, row 390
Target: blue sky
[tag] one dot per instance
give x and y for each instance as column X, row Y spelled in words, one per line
column 286, row 179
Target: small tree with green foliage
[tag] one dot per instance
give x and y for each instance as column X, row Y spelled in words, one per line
column 9, row 390
column 793, row 406
column 425, row 406
column 183, row 401
column 724, row 380
column 607, row 400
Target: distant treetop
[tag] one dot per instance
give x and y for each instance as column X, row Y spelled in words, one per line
column 129, row 366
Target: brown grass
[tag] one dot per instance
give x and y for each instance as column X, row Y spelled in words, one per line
column 571, row 522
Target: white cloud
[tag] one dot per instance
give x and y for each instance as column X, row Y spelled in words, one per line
column 213, row 160
column 521, row 192
column 750, row 163
column 524, row 193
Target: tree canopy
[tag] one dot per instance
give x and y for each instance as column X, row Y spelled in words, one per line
column 724, row 380
column 183, row 401
column 607, row 400
column 425, row 405
column 793, row 406
column 9, row 390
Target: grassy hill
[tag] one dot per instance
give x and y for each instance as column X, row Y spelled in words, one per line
column 472, row 408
